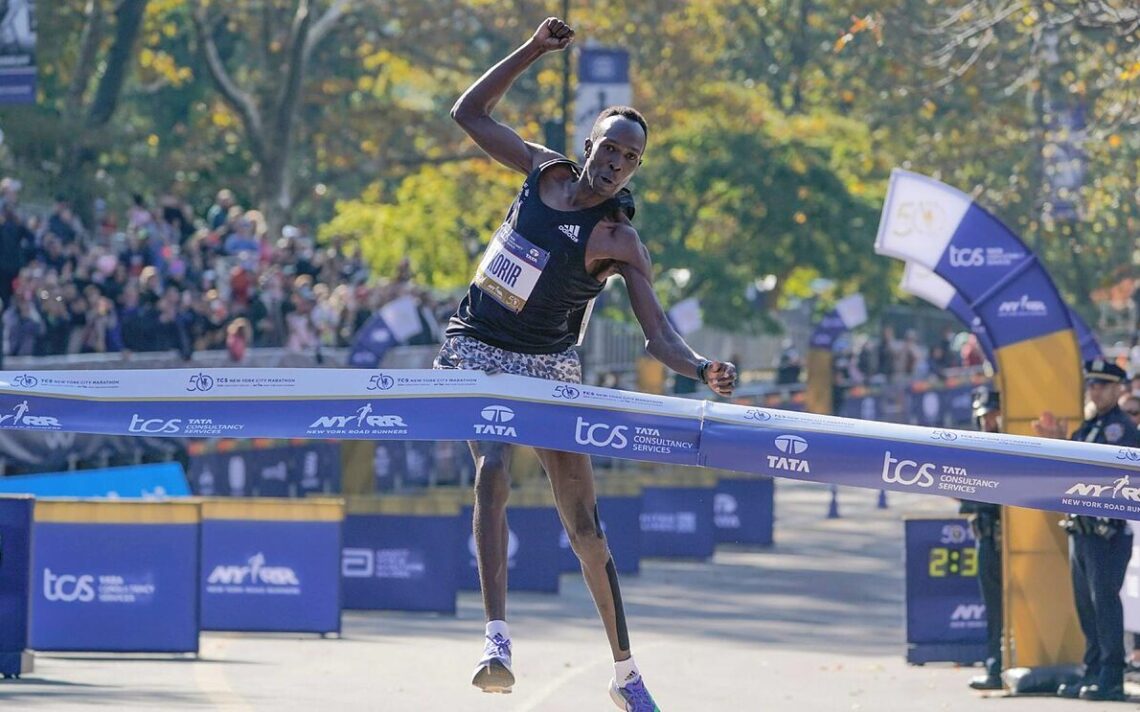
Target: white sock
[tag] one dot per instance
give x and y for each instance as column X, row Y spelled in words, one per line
column 498, row 628
column 625, row 671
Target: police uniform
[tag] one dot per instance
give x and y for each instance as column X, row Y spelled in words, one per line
column 1099, row 550
column 985, row 521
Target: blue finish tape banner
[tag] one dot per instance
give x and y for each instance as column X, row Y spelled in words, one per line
column 1052, row 475
column 271, row 576
column 115, row 587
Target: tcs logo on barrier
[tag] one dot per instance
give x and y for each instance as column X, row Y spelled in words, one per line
column 967, row 256
column 907, row 472
column 601, row 435
column 68, row 588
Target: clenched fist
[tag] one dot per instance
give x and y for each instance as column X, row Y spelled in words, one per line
column 552, row 35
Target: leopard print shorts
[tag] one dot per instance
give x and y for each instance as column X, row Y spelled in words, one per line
column 468, row 354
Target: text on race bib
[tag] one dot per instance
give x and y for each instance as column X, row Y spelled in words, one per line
column 510, row 268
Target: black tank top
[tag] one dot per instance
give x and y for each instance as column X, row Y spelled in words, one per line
column 531, row 286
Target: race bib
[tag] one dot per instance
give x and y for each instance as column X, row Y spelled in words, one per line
column 510, row 268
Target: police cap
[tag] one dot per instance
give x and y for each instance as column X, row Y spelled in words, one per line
column 1104, row 371
column 985, row 400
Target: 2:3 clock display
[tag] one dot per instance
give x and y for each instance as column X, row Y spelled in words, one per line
column 958, row 561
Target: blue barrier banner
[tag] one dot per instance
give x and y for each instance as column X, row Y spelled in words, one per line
column 164, row 479
column 621, row 521
column 533, row 556
column 15, row 588
column 944, row 610
column 1052, row 475
column 115, row 587
column 743, row 510
column 271, row 576
column 677, row 522
column 401, row 562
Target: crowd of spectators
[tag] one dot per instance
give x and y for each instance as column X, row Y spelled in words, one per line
column 161, row 278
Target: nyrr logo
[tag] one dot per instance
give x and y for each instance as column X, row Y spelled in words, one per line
column 1119, row 488
column 497, row 417
column 969, row 612
column 381, row 382
column 19, row 418
column 362, row 418
column 25, row 381
column 789, row 445
column 967, row 256
column 907, row 472
column 601, row 435
column 154, row 426
column 200, row 382
column 68, row 588
column 1023, row 307
column 255, row 572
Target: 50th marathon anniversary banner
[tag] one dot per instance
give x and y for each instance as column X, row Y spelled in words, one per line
column 1052, row 475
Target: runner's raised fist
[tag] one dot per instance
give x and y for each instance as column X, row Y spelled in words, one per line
column 552, row 35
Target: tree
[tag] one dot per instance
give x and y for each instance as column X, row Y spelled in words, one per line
column 268, row 107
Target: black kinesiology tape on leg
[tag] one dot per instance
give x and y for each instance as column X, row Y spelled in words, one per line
column 619, row 610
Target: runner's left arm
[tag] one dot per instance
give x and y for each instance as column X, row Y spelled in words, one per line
column 661, row 340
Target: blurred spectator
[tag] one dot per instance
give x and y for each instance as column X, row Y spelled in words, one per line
column 887, row 361
column 789, row 365
column 16, row 246
column 971, row 355
column 63, row 223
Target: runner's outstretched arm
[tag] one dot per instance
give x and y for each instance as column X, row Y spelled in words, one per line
column 661, row 340
column 473, row 109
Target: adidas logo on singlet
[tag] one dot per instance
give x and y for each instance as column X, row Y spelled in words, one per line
column 570, row 231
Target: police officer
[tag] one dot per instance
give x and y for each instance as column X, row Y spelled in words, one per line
column 985, row 521
column 1099, row 547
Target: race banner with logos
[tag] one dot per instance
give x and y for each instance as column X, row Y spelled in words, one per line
column 1038, row 358
column 106, row 577
column 270, row 575
column 403, row 562
column 1051, row 475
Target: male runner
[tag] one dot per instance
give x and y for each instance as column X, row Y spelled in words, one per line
column 567, row 231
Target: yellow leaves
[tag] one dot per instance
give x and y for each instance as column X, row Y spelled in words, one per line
column 800, row 218
column 872, row 22
column 369, row 147
column 152, row 141
column 929, row 109
column 1131, row 72
column 1114, row 141
column 222, row 118
column 163, row 65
